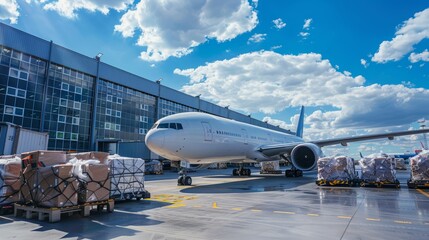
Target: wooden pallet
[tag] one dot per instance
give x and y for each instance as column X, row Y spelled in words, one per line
column 395, row 184
column 418, row 183
column 54, row 214
column 338, row 183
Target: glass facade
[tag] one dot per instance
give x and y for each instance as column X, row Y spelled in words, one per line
column 21, row 88
column 123, row 113
column 169, row 108
column 68, row 108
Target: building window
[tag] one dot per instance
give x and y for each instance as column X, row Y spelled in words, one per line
column 117, row 127
column 20, row 93
column 8, row 110
column 75, row 120
column 76, row 105
column 63, row 102
column 120, row 88
column 109, row 98
column 118, row 114
column 78, row 90
column 74, row 136
column 66, row 71
column 61, row 118
column 64, row 86
column 144, row 107
column 16, row 92
column 142, row 130
column 60, row 135
column 79, row 75
column 144, row 119
column 18, row 74
column 109, row 84
column 119, row 100
column 108, row 111
column 107, row 126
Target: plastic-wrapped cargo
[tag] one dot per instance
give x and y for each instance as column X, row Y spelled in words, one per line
column 400, row 164
column 336, row 168
column 420, row 167
column 43, row 158
column 52, row 186
column 271, row 166
column 153, row 167
column 10, row 183
column 378, row 168
column 126, row 177
column 94, row 180
column 100, row 156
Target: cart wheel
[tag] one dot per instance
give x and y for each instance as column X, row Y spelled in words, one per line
column 100, row 208
column 138, row 198
column 362, row 184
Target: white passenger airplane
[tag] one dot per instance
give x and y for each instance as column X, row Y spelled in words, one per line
column 200, row 138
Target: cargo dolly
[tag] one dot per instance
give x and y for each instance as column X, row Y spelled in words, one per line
column 380, row 184
column 339, row 183
column 54, row 214
column 418, row 183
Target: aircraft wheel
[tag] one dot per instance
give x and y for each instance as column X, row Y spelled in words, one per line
column 249, row 172
column 180, row 181
column 187, row 181
column 235, row 172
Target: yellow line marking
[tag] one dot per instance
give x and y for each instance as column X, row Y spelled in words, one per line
column 313, row 215
column 256, row 210
column 423, row 192
column 283, row 212
column 403, row 222
column 214, row 205
column 236, row 209
column 345, row 217
column 177, row 205
column 373, row 219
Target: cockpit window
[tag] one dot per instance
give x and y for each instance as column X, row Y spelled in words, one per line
column 177, row 126
column 155, row 126
column 163, row 125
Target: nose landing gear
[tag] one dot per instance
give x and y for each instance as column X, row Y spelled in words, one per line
column 184, row 180
column 241, row 171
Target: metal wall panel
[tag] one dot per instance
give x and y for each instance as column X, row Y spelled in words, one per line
column 23, row 42
column 134, row 149
column 179, row 97
column 74, row 60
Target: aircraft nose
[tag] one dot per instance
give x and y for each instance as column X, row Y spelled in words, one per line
column 154, row 140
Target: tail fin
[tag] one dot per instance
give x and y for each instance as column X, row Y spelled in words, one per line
column 300, row 127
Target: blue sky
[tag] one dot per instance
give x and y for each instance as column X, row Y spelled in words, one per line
column 359, row 66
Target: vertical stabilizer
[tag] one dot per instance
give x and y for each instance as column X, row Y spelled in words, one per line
column 300, row 128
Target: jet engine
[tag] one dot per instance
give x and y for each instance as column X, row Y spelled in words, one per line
column 304, row 156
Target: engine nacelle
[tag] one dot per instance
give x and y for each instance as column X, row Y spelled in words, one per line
column 304, row 156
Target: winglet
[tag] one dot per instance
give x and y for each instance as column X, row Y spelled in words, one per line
column 300, row 127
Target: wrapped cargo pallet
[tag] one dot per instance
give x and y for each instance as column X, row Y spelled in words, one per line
column 377, row 168
column 127, row 177
column 94, row 180
column 420, row 167
column 400, row 164
column 270, row 167
column 153, row 167
column 47, row 181
column 339, row 168
column 10, row 184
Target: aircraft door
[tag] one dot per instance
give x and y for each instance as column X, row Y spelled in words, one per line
column 244, row 133
column 208, row 134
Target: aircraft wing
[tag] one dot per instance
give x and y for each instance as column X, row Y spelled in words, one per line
column 286, row 148
column 390, row 136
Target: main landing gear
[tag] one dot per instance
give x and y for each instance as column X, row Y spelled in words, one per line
column 184, row 180
column 241, row 171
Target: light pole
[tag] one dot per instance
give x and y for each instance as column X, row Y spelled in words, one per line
column 94, row 146
column 422, row 123
column 199, row 102
column 158, row 102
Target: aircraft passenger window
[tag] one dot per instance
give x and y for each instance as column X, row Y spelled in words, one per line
column 173, row 126
column 179, row 126
column 163, row 125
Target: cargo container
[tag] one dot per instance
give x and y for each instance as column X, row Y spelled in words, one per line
column 15, row 140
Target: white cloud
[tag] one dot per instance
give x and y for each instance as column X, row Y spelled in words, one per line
column 307, row 23
column 304, row 34
column 412, row 31
column 279, row 24
column 68, row 8
column 269, row 82
column 255, row 3
column 280, row 80
column 9, row 11
column 256, row 38
column 276, row 47
column 416, row 57
column 364, row 63
column 172, row 28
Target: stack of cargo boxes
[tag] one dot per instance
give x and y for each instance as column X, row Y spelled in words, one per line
column 271, row 167
column 10, row 183
column 378, row 170
column 419, row 170
column 153, row 167
column 127, row 178
column 337, row 170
